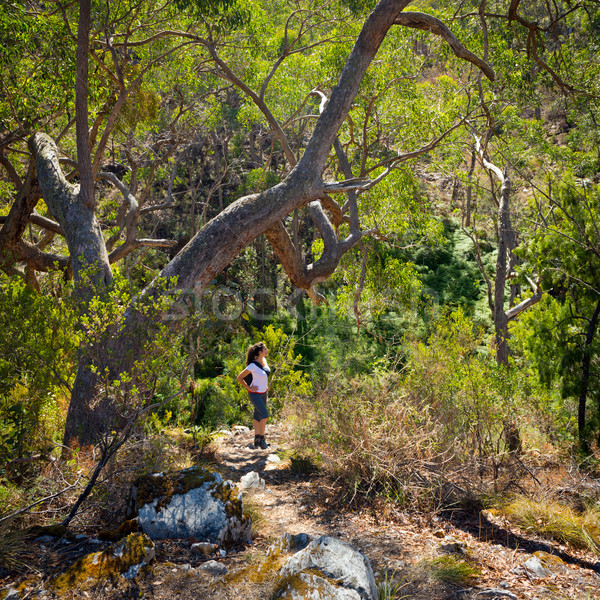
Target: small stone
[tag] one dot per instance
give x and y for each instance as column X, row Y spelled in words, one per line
column 186, row 567
column 536, row 569
column 44, row 539
column 251, row 480
column 222, row 552
column 273, row 458
column 204, row 548
column 212, row 567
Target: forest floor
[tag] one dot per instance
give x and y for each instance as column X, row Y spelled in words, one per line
column 402, row 546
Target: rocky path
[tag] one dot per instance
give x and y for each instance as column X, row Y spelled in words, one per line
column 403, row 546
column 404, row 549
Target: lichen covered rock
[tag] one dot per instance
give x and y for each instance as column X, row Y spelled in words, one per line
column 125, row 559
column 193, row 503
column 311, row 586
column 327, row 569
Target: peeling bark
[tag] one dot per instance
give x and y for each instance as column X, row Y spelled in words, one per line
column 77, row 221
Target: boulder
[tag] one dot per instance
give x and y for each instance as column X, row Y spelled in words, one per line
column 125, row 559
column 327, row 569
column 193, row 503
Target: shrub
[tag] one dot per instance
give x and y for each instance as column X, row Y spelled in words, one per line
column 451, row 569
column 368, row 435
column 430, row 434
column 37, row 354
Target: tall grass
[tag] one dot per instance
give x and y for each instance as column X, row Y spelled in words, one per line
column 557, row 522
column 434, row 433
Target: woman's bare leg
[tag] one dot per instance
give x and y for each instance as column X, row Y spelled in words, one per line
column 260, row 426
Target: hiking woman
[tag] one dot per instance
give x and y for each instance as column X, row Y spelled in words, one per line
column 255, row 379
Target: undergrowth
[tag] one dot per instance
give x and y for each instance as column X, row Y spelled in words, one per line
column 451, row 569
column 557, row 522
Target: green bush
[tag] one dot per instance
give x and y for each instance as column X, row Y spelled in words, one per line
column 409, row 435
column 37, row 359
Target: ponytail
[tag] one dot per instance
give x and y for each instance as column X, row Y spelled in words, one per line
column 253, row 351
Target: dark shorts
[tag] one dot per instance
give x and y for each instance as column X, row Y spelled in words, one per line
column 260, row 405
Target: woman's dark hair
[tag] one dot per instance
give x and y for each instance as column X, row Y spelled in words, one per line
column 253, row 351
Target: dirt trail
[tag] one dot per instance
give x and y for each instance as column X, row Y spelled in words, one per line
column 399, row 542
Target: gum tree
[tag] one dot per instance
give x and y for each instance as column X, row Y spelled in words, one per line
column 308, row 183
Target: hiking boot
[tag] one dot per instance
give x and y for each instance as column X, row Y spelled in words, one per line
column 260, row 442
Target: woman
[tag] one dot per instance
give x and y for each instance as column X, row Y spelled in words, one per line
column 255, row 379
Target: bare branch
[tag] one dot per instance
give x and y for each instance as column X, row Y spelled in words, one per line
column 428, row 23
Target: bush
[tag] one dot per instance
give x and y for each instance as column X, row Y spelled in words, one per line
column 428, row 435
column 37, row 357
column 368, row 435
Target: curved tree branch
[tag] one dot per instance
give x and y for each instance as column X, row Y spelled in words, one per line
column 425, row 22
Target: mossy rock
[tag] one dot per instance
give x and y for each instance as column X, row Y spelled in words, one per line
column 193, row 503
column 315, row 585
column 126, row 559
column 118, row 533
column 328, row 569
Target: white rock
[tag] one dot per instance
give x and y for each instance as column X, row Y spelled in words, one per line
column 251, row 480
column 207, row 508
column 337, row 561
column 273, row 458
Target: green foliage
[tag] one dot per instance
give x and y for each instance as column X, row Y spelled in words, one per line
column 38, row 340
column 153, row 357
column 448, row 269
column 223, row 14
column 560, row 333
column 467, row 392
column 388, row 588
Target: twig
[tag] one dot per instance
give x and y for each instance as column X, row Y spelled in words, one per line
column 51, row 497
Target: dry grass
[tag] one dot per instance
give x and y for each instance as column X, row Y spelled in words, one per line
column 557, row 522
column 450, row 569
column 13, row 549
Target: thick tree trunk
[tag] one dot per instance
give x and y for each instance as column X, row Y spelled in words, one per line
column 78, row 222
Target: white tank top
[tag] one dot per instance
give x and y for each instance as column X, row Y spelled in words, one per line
column 260, row 378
